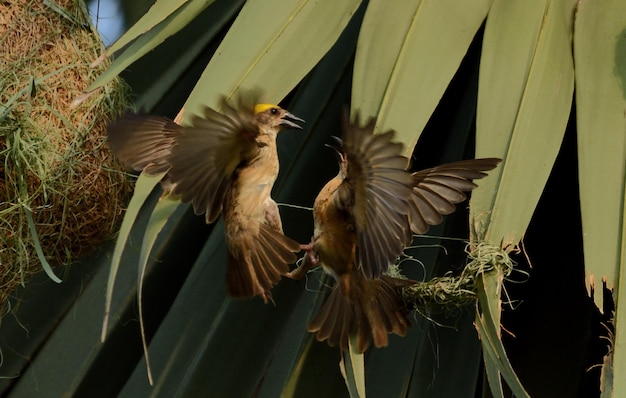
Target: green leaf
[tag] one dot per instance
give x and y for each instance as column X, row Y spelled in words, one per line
column 160, row 10
column 400, row 70
column 154, row 36
column 618, row 366
column 198, row 37
column 271, row 46
column 161, row 213
column 488, row 326
column 143, row 187
column 600, row 48
column 600, row 55
column 524, row 101
column 287, row 365
column 37, row 243
column 492, row 370
column 489, row 306
column 353, row 369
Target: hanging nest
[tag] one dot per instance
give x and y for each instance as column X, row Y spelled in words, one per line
column 61, row 194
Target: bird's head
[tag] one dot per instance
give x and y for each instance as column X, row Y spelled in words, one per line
column 341, row 156
column 275, row 117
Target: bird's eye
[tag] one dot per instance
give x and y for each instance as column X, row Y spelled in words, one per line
column 273, row 111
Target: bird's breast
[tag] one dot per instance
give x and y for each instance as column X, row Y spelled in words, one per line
column 252, row 187
column 334, row 237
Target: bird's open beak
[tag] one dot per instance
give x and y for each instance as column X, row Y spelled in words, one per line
column 338, row 146
column 288, row 120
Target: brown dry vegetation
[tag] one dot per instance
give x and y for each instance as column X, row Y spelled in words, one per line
column 54, row 161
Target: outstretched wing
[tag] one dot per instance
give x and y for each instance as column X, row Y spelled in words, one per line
column 143, row 142
column 200, row 159
column 206, row 155
column 375, row 174
column 438, row 189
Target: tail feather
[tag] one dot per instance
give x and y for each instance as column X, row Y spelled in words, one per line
column 332, row 316
column 257, row 263
column 392, row 323
column 367, row 308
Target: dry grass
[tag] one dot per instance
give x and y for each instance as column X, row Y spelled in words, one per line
column 55, row 163
column 448, row 294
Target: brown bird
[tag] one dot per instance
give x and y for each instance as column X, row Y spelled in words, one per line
column 364, row 218
column 222, row 163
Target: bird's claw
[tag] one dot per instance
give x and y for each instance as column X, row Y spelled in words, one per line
column 308, row 261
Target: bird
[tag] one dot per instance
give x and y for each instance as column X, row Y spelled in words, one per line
column 222, row 163
column 363, row 219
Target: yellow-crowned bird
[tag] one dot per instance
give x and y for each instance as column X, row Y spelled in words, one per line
column 222, row 163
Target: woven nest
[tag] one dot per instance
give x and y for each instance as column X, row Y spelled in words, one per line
column 450, row 293
column 58, row 178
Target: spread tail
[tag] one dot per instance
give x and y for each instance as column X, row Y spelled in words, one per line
column 369, row 308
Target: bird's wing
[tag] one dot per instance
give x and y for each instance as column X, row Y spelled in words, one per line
column 436, row 190
column 375, row 173
column 206, row 155
column 200, row 159
column 143, row 142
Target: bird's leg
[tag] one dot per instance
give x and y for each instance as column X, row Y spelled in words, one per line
column 308, row 247
column 309, row 260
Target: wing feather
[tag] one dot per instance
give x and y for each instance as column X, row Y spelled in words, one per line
column 206, row 155
column 375, row 175
column 386, row 202
column 438, row 189
column 200, row 159
column 143, row 142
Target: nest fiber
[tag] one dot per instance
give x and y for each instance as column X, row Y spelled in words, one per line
column 449, row 293
column 61, row 194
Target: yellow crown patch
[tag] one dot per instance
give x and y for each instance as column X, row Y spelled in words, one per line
column 258, row 108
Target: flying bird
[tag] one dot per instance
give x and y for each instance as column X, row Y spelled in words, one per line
column 363, row 220
column 222, row 163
